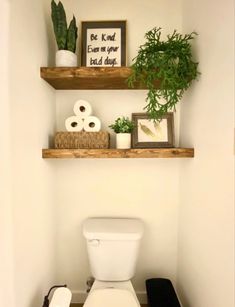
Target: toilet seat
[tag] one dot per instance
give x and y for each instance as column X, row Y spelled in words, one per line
column 110, row 297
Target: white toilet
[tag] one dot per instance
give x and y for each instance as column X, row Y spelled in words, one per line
column 112, row 245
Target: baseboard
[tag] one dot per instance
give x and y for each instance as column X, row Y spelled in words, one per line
column 79, row 297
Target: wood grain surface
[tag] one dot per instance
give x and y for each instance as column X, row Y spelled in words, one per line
column 118, row 153
column 86, row 78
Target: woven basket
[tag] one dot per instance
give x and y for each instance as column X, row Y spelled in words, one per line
column 73, row 140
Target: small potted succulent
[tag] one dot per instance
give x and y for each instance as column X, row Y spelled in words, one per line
column 66, row 37
column 123, row 127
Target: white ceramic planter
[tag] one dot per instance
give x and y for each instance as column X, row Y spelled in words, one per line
column 66, row 58
column 123, row 140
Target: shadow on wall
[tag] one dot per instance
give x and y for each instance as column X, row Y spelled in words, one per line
column 49, row 34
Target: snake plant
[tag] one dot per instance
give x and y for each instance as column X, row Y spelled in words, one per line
column 66, row 37
column 168, row 61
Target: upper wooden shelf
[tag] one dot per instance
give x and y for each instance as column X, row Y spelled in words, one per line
column 118, row 153
column 89, row 78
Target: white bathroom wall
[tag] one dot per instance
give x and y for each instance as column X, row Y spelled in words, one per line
column 6, row 237
column 32, row 207
column 206, row 224
column 144, row 188
column 31, row 108
column 130, row 188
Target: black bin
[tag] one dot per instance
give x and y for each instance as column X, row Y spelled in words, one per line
column 161, row 293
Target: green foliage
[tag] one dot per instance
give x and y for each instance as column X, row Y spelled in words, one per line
column 72, row 35
column 65, row 38
column 170, row 62
column 123, row 125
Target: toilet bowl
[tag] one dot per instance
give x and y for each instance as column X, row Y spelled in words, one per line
column 112, row 245
column 112, row 294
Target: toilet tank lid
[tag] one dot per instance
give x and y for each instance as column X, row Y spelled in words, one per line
column 113, row 229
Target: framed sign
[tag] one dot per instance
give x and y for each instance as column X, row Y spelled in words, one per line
column 149, row 133
column 103, row 43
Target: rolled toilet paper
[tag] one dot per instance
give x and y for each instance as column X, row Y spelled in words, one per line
column 92, row 124
column 61, row 297
column 74, row 124
column 82, row 108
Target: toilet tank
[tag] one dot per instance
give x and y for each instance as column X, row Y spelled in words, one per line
column 113, row 245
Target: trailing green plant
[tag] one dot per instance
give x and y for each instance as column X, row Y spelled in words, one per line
column 65, row 37
column 168, row 61
column 123, row 125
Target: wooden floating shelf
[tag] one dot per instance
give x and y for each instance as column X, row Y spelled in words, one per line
column 118, row 153
column 89, row 78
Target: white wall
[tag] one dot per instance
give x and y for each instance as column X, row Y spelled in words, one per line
column 34, row 205
column 144, row 188
column 6, row 237
column 206, row 224
column 31, row 109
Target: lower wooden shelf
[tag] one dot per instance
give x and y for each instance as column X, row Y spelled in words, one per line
column 118, row 153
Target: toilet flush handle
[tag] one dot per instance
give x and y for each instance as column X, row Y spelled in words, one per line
column 94, row 242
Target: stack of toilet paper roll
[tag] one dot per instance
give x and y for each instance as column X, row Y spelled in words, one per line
column 82, row 120
column 83, row 130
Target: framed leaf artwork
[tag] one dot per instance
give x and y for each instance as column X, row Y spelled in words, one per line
column 152, row 134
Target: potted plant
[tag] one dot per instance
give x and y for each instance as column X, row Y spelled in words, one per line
column 169, row 62
column 123, row 127
column 66, row 38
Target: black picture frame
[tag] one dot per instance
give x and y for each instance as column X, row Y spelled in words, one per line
column 153, row 134
column 108, row 35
